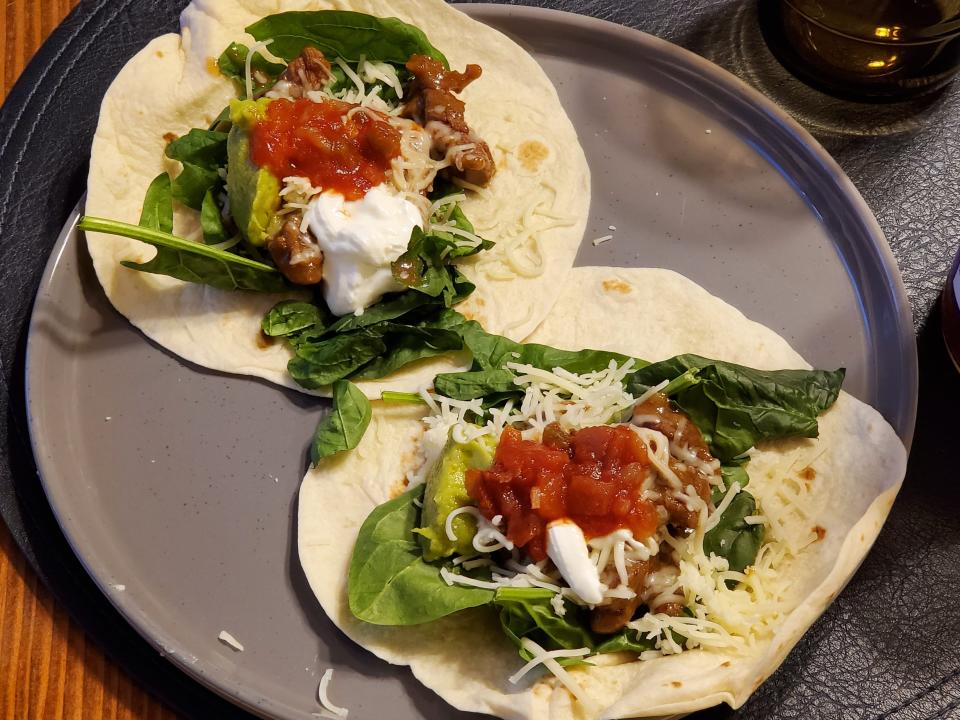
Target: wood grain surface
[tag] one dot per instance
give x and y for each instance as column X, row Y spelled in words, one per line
column 48, row 667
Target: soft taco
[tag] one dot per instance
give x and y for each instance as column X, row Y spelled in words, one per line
column 642, row 529
column 296, row 190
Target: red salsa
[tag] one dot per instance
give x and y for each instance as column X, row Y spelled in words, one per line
column 593, row 476
column 317, row 141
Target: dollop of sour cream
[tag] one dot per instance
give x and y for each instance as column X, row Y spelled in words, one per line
column 359, row 240
column 567, row 547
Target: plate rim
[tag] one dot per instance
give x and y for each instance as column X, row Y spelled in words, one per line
column 905, row 424
column 261, row 705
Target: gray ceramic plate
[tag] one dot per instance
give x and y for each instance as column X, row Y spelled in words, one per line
column 177, row 487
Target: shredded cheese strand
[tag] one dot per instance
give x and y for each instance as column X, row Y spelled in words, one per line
column 549, row 661
column 324, row 699
column 248, row 75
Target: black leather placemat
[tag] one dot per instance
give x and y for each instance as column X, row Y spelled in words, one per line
column 889, row 647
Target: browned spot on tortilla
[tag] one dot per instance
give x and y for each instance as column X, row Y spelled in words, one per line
column 212, row 66
column 808, row 473
column 468, row 315
column 264, row 341
column 532, row 153
column 398, row 487
column 676, row 683
column 159, row 53
column 820, row 532
column 169, row 137
column 616, row 286
column 480, row 301
column 725, row 663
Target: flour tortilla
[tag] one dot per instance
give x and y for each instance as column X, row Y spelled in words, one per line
column 653, row 314
column 171, row 86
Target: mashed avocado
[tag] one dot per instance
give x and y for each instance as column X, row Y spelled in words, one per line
column 254, row 192
column 446, row 491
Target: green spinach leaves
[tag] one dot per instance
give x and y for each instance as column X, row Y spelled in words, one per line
column 389, row 583
column 733, row 538
column 157, row 213
column 343, row 428
column 736, row 407
column 202, row 154
column 233, row 64
column 402, row 328
column 489, row 379
column 344, row 34
column 528, row 612
column 191, row 261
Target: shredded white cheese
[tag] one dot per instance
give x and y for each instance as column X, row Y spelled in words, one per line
column 324, row 699
column 257, row 47
column 541, row 655
column 228, row 639
column 728, row 619
column 548, row 659
column 487, row 539
column 519, row 248
column 452, row 578
column 721, row 508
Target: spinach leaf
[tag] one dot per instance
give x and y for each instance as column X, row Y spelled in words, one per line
column 406, row 398
column 206, row 148
column 407, row 344
column 211, row 221
column 191, row 261
column 201, row 152
column 527, row 612
column 316, row 365
column 344, row 34
column 192, row 184
column 392, row 308
column 424, row 266
column 343, row 428
column 290, row 316
column 222, row 122
column 157, row 213
column 232, row 64
column 733, row 472
column 400, row 329
column 475, row 384
column 490, row 352
column 575, row 361
column 735, row 407
column 389, row 583
column 734, row 539
column 627, row 640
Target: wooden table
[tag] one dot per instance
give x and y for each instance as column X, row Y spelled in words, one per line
column 48, row 667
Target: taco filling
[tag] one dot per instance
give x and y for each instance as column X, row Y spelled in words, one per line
column 598, row 512
column 303, row 203
column 651, row 537
column 359, row 149
column 332, row 167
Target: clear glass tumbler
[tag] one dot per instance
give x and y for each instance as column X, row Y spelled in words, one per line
column 864, row 49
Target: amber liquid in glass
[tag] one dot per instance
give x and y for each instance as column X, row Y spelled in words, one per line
column 866, row 50
column 950, row 312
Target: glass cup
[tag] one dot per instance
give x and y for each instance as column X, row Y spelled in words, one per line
column 864, row 49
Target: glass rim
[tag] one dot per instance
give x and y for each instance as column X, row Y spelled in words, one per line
column 942, row 31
